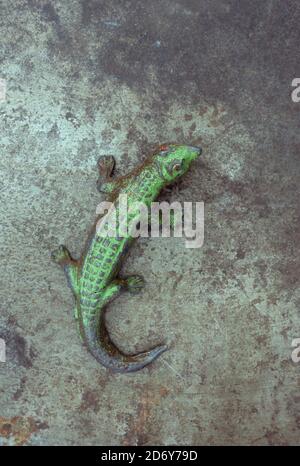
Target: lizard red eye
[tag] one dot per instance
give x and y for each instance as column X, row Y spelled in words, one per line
column 163, row 148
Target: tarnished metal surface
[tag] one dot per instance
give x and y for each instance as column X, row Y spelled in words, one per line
column 94, row 77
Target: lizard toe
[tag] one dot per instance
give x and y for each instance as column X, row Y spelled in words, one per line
column 135, row 284
column 60, row 255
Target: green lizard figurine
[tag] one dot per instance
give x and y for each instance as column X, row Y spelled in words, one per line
column 94, row 277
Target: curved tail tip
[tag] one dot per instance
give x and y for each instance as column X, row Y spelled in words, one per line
column 143, row 359
column 158, row 350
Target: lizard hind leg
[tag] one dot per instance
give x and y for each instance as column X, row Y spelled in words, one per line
column 63, row 257
column 105, row 183
column 106, row 165
column 133, row 284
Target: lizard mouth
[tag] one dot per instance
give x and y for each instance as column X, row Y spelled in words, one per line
column 196, row 151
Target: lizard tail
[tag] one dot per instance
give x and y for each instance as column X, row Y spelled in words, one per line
column 99, row 344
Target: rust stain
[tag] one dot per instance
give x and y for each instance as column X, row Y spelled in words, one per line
column 137, row 433
column 17, row 430
column 90, row 400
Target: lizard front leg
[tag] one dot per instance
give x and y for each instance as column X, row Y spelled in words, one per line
column 63, row 257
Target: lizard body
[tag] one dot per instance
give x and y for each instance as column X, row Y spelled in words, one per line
column 94, row 277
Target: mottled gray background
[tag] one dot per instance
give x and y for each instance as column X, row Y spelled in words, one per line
column 86, row 78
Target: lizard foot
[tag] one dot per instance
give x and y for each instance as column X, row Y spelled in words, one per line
column 106, row 165
column 134, row 284
column 105, row 183
column 61, row 255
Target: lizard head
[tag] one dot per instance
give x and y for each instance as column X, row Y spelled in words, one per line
column 174, row 160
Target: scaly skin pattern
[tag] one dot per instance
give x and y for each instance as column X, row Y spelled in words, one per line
column 94, row 277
